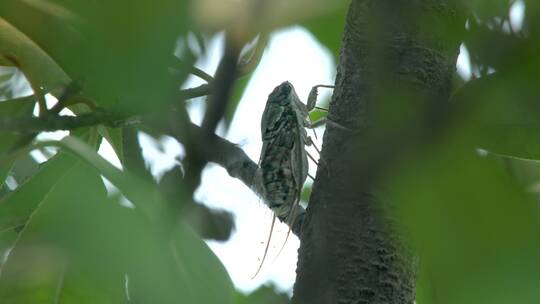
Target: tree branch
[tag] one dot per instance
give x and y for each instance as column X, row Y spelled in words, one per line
column 233, row 159
column 216, row 149
column 225, row 78
column 351, row 250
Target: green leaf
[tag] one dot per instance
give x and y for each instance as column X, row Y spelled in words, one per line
column 7, row 239
column 18, row 49
column 22, row 106
column 520, row 141
column 79, row 246
column 490, row 8
column 24, row 168
column 62, row 242
column 136, row 190
column 472, row 224
column 317, row 115
column 328, row 28
column 15, row 107
column 181, row 261
column 120, row 46
column 502, row 113
column 480, row 40
column 6, row 76
column 210, row 282
column 16, row 207
column 306, row 193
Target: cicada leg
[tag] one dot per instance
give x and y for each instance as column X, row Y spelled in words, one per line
column 309, row 142
column 314, row 94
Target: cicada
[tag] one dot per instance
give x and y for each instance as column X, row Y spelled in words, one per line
column 284, row 160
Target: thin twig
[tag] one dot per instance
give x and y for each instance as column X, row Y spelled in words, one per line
column 195, row 146
column 180, row 64
column 225, row 77
column 202, row 90
column 55, row 123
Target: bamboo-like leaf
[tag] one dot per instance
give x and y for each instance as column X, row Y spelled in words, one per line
column 19, row 50
column 185, row 250
column 16, row 207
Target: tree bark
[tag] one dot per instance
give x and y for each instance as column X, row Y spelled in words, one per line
column 396, row 65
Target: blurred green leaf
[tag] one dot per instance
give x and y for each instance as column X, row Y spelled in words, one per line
column 16, row 207
column 117, row 73
column 62, row 236
column 173, row 264
column 512, row 102
column 7, row 239
column 526, row 172
column 208, row 278
column 79, row 246
column 183, row 267
column 24, row 168
column 6, row 77
column 4, row 190
column 18, row 49
column 486, row 9
column 15, row 107
column 316, row 115
column 22, row 106
column 136, row 190
column 306, row 193
column 473, row 225
column 522, row 141
column 328, row 28
column 480, row 39
column 503, row 120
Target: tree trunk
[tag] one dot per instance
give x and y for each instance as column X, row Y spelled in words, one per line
column 350, row 252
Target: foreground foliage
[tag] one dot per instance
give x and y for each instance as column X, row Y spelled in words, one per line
column 467, row 199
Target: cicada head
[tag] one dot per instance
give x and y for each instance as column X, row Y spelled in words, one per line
column 282, row 94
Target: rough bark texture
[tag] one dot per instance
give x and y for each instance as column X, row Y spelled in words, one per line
column 349, row 252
